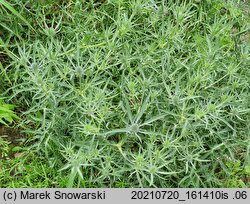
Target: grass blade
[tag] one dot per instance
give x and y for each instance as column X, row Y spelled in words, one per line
column 14, row 11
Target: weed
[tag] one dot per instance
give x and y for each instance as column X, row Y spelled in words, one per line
column 7, row 114
column 133, row 93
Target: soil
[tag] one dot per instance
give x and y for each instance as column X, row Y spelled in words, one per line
column 11, row 135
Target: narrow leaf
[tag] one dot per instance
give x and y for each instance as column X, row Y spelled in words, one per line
column 153, row 119
column 143, row 109
column 112, row 132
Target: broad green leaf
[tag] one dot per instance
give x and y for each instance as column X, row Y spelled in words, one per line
column 2, row 122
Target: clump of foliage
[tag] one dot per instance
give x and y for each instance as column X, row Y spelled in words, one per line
column 135, row 93
column 4, row 148
column 7, row 114
column 238, row 176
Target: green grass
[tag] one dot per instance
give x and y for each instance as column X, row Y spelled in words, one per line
column 13, row 11
column 130, row 93
column 31, row 172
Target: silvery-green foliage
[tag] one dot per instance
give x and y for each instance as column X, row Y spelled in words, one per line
column 152, row 93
